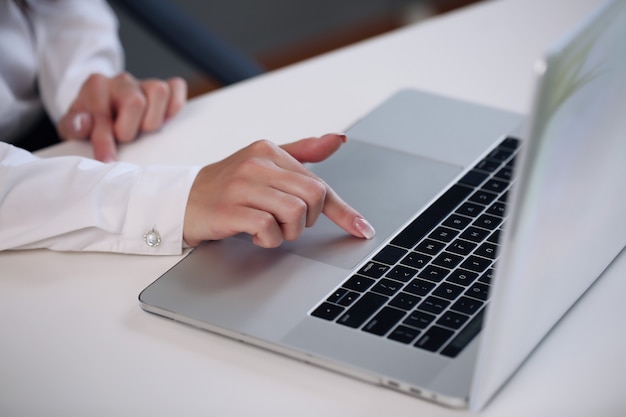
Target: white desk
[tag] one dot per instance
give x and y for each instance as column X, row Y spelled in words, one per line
column 76, row 343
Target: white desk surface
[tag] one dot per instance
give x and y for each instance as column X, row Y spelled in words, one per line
column 76, row 343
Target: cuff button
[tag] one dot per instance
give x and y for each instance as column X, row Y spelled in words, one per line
column 152, row 238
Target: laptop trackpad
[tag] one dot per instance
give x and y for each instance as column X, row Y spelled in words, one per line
column 384, row 185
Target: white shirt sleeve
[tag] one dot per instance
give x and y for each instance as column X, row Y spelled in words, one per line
column 78, row 204
column 73, row 39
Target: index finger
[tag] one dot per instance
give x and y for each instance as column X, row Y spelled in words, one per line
column 337, row 210
column 346, row 217
column 97, row 102
column 103, row 141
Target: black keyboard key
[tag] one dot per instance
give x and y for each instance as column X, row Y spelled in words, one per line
column 487, row 276
column 505, row 174
column 475, row 234
column 443, row 234
column 387, row 287
column 476, row 263
column 495, row 185
column 434, row 305
column 404, row 334
column 500, row 154
column 416, row 260
column 374, row 269
column 483, row 197
column 465, row 336
column 453, row 320
column 470, row 209
column 456, row 221
column 405, row 301
column 349, row 298
column 495, row 236
column 478, row 290
column 419, row 287
column 402, row 273
column 390, row 255
column 462, row 277
column 358, row 283
column 430, row 247
column 510, row 142
column 488, row 165
column 487, row 250
column 447, row 260
column 467, row 305
column 337, row 295
column 496, row 209
column 474, row 178
column 462, row 247
column 384, row 320
column 422, row 225
column 327, row 311
column 487, row 221
column 434, row 273
column 448, row 291
column 419, row 319
column 362, row 310
column 343, row 297
column 434, row 338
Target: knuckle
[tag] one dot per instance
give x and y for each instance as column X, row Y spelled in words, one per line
column 157, row 89
column 295, row 209
column 317, row 189
column 178, row 81
column 95, row 80
column 125, row 77
column 265, row 222
column 249, row 166
column 135, row 101
column 263, row 147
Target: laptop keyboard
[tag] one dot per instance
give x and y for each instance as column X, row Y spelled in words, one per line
column 429, row 286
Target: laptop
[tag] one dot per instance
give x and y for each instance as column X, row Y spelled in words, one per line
column 490, row 226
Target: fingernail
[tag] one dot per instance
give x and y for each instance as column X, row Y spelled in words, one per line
column 364, row 227
column 343, row 136
column 79, row 121
column 107, row 158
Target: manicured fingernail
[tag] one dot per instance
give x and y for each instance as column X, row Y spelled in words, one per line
column 343, row 136
column 364, row 227
column 79, row 121
column 108, row 158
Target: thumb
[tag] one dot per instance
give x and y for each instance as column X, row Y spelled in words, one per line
column 315, row 149
column 75, row 125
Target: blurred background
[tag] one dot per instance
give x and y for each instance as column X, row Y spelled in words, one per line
column 273, row 33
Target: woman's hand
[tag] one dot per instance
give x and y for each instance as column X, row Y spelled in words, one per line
column 110, row 110
column 265, row 191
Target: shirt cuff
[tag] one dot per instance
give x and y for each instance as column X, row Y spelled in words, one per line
column 156, row 211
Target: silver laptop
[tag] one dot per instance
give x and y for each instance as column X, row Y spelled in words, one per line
column 484, row 239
